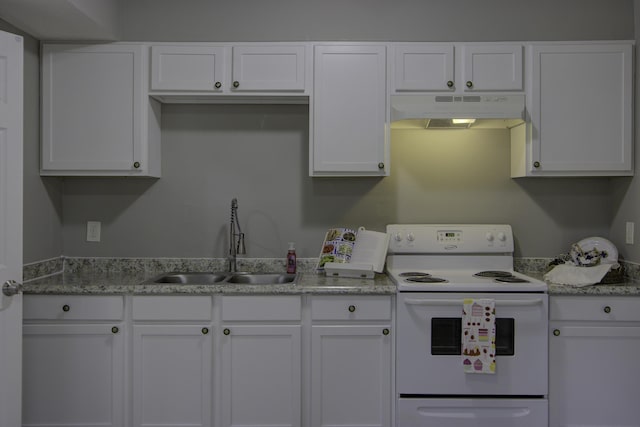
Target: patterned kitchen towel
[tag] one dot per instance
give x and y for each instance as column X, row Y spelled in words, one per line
column 479, row 336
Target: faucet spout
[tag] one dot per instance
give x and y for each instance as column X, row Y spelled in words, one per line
column 236, row 239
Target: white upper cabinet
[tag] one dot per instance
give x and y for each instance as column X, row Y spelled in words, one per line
column 349, row 111
column 96, row 115
column 446, row 67
column 491, row 67
column 422, row 67
column 206, row 69
column 187, row 68
column 580, row 99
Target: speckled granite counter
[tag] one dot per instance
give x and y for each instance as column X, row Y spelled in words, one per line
column 618, row 289
column 118, row 277
column 133, row 276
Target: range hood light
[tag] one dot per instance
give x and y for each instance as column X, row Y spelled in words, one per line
column 463, row 121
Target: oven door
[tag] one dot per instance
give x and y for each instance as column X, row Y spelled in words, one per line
column 428, row 335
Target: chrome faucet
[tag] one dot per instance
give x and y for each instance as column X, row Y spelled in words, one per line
column 236, row 240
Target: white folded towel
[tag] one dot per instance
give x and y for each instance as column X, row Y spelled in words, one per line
column 565, row 274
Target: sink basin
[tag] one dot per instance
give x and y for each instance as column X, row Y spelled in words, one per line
column 191, row 278
column 221, row 278
column 262, row 278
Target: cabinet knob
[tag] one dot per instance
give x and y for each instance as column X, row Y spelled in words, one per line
column 226, row 331
column 205, row 331
column 66, row 308
column 385, row 331
column 536, row 164
column 236, row 83
column 352, row 308
column 380, row 165
column 136, row 165
column 450, row 83
column 607, row 309
column 217, row 85
column 115, row 330
column 469, row 84
column 556, row 332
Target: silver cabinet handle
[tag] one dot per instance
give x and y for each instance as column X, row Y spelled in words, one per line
column 455, row 302
column 11, row 288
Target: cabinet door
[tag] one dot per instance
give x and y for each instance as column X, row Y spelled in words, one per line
column 73, row 375
column 593, row 374
column 351, row 376
column 187, row 68
column 581, row 109
column 493, row 67
column 94, row 110
column 424, row 67
column 349, row 112
column 172, row 375
column 261, row 375
column 268, row 68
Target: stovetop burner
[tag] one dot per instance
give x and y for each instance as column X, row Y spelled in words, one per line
column 426, row 279
column 511, row 279
column 413, row 274
column 493, row 274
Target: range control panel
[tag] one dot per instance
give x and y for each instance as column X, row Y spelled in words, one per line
column 450, row 238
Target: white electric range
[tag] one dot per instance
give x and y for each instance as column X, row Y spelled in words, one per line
column 437, row 267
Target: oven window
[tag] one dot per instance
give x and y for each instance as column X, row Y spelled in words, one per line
column 446, row 336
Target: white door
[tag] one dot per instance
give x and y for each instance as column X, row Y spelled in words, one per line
column 261, row 376
column 351, row 376
column 11, row 47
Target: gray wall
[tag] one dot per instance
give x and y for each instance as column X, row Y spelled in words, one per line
column 42, row 197
column 259, row 153
column 626, row 192
column 402, row 20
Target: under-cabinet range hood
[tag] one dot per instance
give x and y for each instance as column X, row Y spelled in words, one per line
column 457, row 111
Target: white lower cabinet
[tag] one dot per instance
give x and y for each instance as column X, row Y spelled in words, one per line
column 73, row 361
column 351, row 370
column 593, row 357
column 261, row 361
column 172, row 361
column 202, row 361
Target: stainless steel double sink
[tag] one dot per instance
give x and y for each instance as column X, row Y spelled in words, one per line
column 206, row 278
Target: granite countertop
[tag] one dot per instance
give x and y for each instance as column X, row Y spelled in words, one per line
column 112, row 276
column 132, row 283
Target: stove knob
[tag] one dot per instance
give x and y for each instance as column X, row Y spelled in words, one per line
column 489, row 237
column 502, row 237
column 411, row 237
column 398, row 237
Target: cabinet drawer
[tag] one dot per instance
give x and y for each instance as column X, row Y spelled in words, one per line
column 155, row 307
column 596, row 308
column 269, row 307
column 351, row 308
column 73, row 307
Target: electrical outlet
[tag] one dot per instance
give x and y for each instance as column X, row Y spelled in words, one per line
column 629, row 233
column 93, row 231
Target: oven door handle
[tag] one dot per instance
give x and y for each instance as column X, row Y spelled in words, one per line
column 459, row 302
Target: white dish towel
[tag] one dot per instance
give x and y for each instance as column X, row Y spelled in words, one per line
column 566, row 274
column 479, row 336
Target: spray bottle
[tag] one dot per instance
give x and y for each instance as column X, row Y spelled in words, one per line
column 291, row 259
